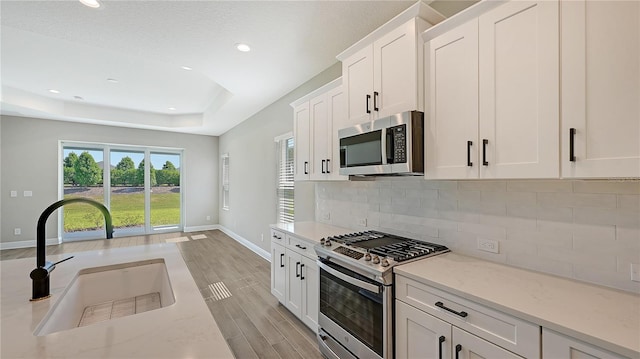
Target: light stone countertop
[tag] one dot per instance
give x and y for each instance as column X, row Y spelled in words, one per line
column 185, row 329
column 604, row 317
column 311, row 231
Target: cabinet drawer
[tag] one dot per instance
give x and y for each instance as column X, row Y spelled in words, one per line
column 301, row 246
column 511, row 333
column 278, row 237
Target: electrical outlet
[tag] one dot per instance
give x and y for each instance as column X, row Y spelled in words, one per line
column 17, row 231
column 635, row 272
column 326, row 216
column 488, row 245
column 14, row 193
column 362, row 222
column 208, row 218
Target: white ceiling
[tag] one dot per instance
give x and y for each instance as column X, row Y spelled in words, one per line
column 72, row 48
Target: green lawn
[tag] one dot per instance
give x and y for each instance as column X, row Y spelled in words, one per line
column 127, row 210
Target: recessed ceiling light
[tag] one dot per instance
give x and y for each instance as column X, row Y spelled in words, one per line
column 243, row 47
column 54, row 91
column 112, row 80
column 91, row 3
column 171, row 108
column 186, row 68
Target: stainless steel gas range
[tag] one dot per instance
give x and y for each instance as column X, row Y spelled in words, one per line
column 356, row 291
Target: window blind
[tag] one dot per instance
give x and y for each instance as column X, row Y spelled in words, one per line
column 285, row 184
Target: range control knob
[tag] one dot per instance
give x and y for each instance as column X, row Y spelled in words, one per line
column 375, row 259
column 322, row 242
column 327, row 242
column 367, row 257
column 384, row 263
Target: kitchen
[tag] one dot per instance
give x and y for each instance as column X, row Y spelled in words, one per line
column 547, row 225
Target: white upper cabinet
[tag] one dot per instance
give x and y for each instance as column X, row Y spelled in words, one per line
column 600, row 89
column 302, row 141
column 451, row 119
column 383, row 72
column 315, row 133
column 519, row 97
column 493, row 95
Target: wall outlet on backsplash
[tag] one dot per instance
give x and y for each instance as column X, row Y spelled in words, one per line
column 326, row 216
column 635, row 272
column 488, row 245
column 362, row 222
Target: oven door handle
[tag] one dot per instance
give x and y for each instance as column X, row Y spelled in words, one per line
column 358, row 283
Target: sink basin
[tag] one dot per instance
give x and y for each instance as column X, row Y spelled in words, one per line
column 106, row 293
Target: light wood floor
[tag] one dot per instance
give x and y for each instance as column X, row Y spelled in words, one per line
column 252, row 321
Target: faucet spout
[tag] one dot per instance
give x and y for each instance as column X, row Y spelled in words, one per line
column 40, row 275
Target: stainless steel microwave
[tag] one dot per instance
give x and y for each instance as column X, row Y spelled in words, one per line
column 391, row 145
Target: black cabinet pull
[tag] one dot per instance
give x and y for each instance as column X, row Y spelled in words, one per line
column 281, row 257
column 306, row 167
column 322, row 166
column 461, row 314
column 297, row 269
column 301, row 247
column 440, row 341
column 301, row 276
column 484, row 152
column 368, row 98
column 375, row 101
column 469, row 163
column 275, row 236
column 458, row 350
column 328, row 165
column 572, row 135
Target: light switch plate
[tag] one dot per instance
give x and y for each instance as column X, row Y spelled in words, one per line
column 14, row 193
column 28, row 193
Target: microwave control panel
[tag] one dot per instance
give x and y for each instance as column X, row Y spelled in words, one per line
column 399, row 143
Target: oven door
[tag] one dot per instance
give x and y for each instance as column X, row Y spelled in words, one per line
column 355, row 311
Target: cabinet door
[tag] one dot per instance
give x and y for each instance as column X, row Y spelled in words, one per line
column 420, row 335
column 310, row 278
column 294, row 284
column 601, row 88
column 357, row 76
column 468, row 346
column 302, row 141
column 519, row 97
column 278, row 271
column 337, row 114
column 452, row 118
column 320, row 150
column 395, row 71
column 559, row 346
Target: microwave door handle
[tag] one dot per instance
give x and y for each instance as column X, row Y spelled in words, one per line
column 383, row 147
column 358, row 283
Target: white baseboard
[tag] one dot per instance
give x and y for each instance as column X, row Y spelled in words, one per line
column 26, row 244
column 245, row 242
column 201, row 228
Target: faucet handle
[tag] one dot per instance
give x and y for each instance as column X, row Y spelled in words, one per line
column 64, row 260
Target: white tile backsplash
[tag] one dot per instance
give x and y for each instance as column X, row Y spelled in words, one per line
column 586, row 230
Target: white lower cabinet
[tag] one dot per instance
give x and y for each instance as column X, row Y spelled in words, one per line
column 556, row 345
column 431, row 323
column 295, row 278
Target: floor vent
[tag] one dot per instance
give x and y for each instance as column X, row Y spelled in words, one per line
column 219, row 291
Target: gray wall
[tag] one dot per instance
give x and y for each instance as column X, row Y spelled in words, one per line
column 252, row 167
column 29, row 151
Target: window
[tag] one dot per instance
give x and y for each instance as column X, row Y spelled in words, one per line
column 225, row 181
column 285, row 188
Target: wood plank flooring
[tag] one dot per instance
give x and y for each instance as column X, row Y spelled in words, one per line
column 252, row 321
